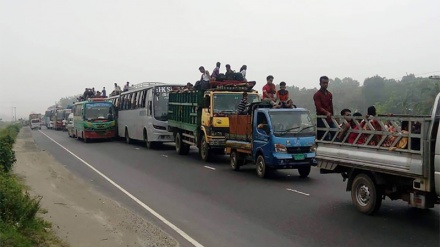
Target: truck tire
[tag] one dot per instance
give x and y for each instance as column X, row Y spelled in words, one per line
column 365, row 194
column 181, row 147
column 235, row 162
column 304, row 171
column 205, row 153
column 127, row 137
column 262, row 169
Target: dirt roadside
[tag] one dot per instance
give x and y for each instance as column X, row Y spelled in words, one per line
column 80, row 215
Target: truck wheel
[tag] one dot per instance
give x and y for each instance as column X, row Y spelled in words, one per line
column 127, row 137
column 205, row 153
column 304, row 171
column 365, row 194
column 261, row 167
column 234, row 161
column 181, row 147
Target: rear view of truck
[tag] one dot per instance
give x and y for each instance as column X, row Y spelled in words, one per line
column 396, row 157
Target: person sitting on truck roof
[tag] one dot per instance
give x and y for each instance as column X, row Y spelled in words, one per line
column 229, row 72
column 282, row 96
column 243, row 71
column 269, row 90
column 203, row 84
column 216, row 71
column 243, row 103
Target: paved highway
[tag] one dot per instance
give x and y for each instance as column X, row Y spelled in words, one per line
column 216, row 206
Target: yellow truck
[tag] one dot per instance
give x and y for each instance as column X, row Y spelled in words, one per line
column 201, row 118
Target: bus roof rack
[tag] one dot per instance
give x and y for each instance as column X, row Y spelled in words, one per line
column 145, row 84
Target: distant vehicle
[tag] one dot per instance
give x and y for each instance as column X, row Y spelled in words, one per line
column 34, row 120
column 94, row 119
column 377, row 161
column 142, row 113
column 58, row 119
column 47, row 119
column 35, row 124
column 272, row 139
column 200, row 118
column 70, row 126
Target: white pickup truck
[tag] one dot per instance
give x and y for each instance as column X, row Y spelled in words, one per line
column 395, row 156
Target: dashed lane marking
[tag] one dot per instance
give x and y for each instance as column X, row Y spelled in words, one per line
column 157, row 215
column 212, row 168
column 299, row 192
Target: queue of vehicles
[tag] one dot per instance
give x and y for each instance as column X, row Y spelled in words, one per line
column 268, row 138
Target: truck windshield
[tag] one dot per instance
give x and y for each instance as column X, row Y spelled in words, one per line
column 102, row 110
column 160, row 102
column 228, row 103
column 291, row 123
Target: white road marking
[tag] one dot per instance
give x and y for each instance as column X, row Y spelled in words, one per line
column 212, row 168
column 166, row 156
column 157, row 215
column 299, row 192
column 137, row 148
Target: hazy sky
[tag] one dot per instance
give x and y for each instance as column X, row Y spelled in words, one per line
column 52, row 49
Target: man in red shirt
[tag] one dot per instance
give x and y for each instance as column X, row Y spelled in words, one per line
column 324, row 106
column 269, row 90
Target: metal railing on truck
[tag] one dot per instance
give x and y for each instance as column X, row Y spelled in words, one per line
column 383, row 143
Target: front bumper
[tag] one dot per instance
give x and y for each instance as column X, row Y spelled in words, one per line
column 287, row 161
column 99, row 134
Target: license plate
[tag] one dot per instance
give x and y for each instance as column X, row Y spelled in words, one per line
column 298, row 156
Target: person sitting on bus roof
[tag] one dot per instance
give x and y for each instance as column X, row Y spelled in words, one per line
column 104, row 92
column 98, row 94
column 126, row 86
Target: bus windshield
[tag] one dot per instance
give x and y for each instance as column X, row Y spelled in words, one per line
column 228, row 103
column 161, row 102
column 101, row 110
column 60, row 115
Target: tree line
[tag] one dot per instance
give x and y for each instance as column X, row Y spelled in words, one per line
column 410, row 95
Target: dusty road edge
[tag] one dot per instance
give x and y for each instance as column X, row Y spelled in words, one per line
column 80, row 215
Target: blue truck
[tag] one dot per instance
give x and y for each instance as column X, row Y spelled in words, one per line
column 272, row 139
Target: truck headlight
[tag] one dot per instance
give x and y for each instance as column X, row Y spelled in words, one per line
column 280, row 148
column 313, row 148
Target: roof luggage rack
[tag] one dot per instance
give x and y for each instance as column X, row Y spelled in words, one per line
column 238, row 86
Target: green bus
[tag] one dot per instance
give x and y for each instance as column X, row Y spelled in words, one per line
column 94, row 119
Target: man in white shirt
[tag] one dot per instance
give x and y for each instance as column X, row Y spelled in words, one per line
column 127, row 86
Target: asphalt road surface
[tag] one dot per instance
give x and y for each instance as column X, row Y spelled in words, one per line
column 216, row 206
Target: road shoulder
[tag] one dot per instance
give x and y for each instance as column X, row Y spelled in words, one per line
column 79, row 214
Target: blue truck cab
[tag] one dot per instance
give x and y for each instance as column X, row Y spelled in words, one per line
column 272, row 139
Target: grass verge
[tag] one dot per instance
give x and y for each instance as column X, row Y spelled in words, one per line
column 19, row 223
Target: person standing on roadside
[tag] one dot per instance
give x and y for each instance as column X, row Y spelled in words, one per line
column 324, row 106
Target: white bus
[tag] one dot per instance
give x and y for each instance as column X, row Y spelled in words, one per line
column 142, row 113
